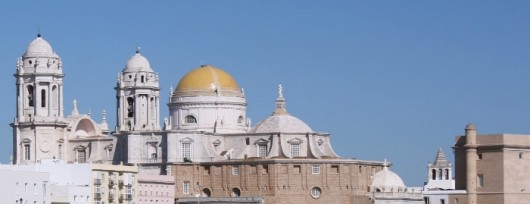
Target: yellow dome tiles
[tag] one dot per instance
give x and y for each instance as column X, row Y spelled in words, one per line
column 207, row 78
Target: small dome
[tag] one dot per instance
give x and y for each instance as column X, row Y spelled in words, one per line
column 388, row 179
column 207, row 80
column 138, row 63
column 39, row 48
column 470, row 126
column 282, row 123
column 280, row 120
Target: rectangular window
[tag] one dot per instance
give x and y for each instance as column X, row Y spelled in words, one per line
column 315, row 169
column 442, row 201
column 186, row 187
column 297, row 169
column 207, row 170
column 262, row 150
column 186, row 150
column 295, row 150
column 81, row 156
column 60, row 151
column 27, row 155
column 479, row 156
column 480, row 180
column 128, row 194
column 235, row 170
column 334, row 169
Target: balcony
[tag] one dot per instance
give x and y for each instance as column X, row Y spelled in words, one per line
column 97, row 195
column 97, row 181
column 127, row 196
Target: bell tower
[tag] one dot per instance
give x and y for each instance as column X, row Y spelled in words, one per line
column 138, row 96
column 39, row 113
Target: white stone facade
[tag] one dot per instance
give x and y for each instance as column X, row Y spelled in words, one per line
column 24, row 186
column 40, row 129
column 388, row 188
column 207, row 125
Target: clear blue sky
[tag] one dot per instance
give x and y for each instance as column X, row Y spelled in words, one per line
column 388, row 79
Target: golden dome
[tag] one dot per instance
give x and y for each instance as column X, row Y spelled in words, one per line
column 208, row 80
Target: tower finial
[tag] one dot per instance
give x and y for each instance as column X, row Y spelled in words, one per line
column 74, row 109
column 280, row 102
column 280, row 91
column 38, row 31
column 104, row 125
column 385, row 165
column 138, row 49
column 104, row 119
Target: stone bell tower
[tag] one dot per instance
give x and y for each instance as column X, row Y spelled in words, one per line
column 138, row 96
column 39, row 124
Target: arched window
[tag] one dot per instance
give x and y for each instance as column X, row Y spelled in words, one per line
column 55, row 97
column 190, row 119
column 43, row 98
column 446, row 174
column 30, row 95
column 236, row 192
column 142, row 79
column 240, row 120
column 152, row 105
column 206, row 192
column 130, row 107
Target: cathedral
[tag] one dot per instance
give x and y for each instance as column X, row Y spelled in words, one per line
column 206, row 142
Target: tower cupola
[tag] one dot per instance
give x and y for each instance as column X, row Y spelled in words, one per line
column 138, row 94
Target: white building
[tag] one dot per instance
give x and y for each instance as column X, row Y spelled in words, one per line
column 23, row 187
column 41, row 130
column 388, row 188
column 441, row 182
column 207, row 131
column 207, row 122
column 73, row 183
